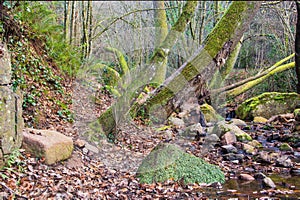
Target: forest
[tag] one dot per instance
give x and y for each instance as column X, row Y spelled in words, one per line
column 149, row 99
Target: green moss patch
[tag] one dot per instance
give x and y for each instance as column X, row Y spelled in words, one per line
column 268, row 104
column 169, row 162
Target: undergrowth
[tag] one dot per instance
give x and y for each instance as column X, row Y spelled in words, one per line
column 42, row 63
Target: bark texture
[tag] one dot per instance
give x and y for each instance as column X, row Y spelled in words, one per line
column 297, row 46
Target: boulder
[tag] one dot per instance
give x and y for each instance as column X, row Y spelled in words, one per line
column 222, row 127
column 268, row 104
column 51, row 145
column 168, row 161
column 210, row 114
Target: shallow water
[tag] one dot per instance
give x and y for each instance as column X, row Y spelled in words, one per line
column 288, row 187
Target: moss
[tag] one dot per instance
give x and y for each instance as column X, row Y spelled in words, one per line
column 285, row 147
column 297, row 114
column 159, row 166
column 246, row 109
column 210, row 114
column 243, row 137
column 226, row 26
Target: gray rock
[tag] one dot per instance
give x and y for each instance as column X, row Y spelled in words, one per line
column 223, row 127
column 239, row 122
column 193, row 130
column 51, row 145
column 266, row 157
column 192, row 117
column 284, row 161
column 176, row 122
column 212, row 138
column 269, row 182
column 233, row 156
column 246, row 177
column 91, row 148
column 229, row 148
column 5, row 69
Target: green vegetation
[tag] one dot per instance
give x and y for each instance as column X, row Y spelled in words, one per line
column 10, row 160
column 41, row 62
column 169, row 162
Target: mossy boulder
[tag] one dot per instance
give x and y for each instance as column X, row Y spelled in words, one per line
column 268, row 104
column 210, row 114
column 223, row 127
column 169, row 162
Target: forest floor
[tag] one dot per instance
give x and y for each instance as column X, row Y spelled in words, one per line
column 108, row 172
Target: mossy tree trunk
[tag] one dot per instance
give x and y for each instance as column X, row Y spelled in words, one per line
column 245, row 87
column 297, row 46
column 189, row 77
column 185, row 81
column 161, row 32
column 109, row 120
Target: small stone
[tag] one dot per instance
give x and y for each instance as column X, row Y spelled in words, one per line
column 260, row 120
column 284, row 161
column 79, row 143
column 229, row 138
column 233, row 156
column 229, row 148
column 176, row 122
column 269, row 182
column 238, row 122
column 85, row 150
column 274, row 136
column 249, row 149
column 266, row 157
column 255, row 144
column 193, row 130
column 246, row 177
column 285, row 147
column 212, row 138
column 91, row 148
column 235, row 161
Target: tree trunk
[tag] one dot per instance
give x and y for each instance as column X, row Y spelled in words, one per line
column 90, row 27
column 245, row 87
column 185, row 81
column 297, row 46
column 235, row 85
column 161, row 32
column 171, row 94
column 116, row 113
